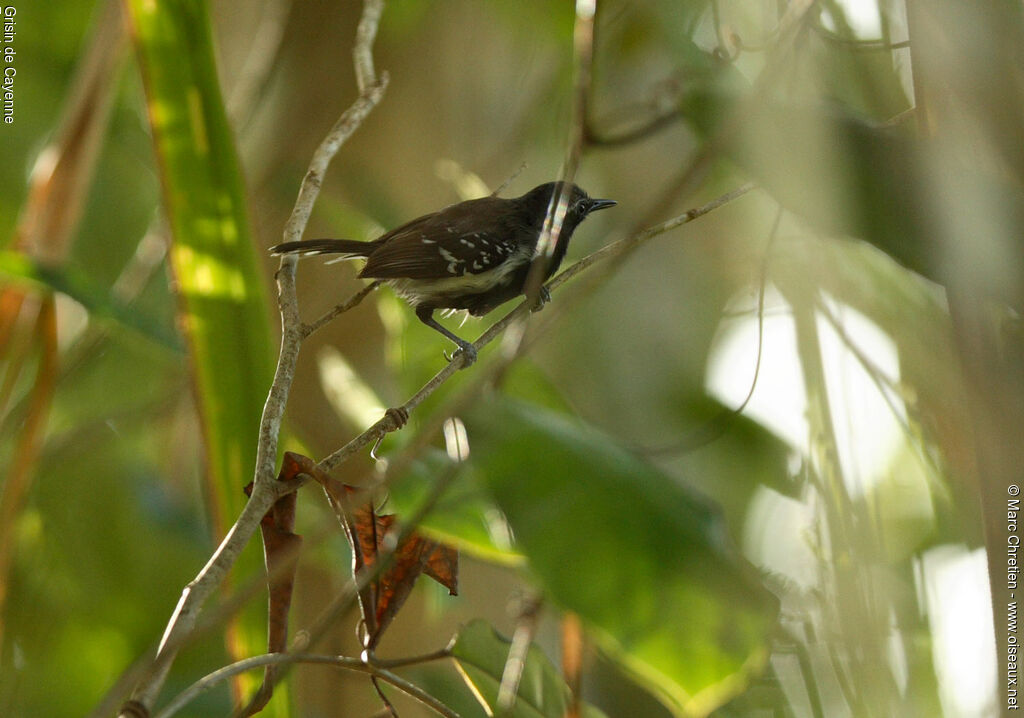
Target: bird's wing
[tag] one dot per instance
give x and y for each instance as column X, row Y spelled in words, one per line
column 470, row 237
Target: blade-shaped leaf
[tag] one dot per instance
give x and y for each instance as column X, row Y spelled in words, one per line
column 223, row 307
column 643, row 561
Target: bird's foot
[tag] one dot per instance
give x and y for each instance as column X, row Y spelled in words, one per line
column 399, row 417
column 465, row 349
column 543, row 297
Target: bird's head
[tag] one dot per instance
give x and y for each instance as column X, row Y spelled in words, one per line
column 578, row 204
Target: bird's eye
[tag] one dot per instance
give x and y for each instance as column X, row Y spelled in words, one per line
column 580, row 206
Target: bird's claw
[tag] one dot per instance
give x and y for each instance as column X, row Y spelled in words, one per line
column 466, row 349
column 543, row 297
column 399, row 417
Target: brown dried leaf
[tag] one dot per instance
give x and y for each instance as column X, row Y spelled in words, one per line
column 281, row 551
column 443, row 567
column 372, row 537
column 415, row 555
column 63, row 171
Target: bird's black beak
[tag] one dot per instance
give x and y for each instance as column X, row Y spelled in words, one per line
column 596, row 204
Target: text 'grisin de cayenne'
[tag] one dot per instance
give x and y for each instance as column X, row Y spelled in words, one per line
column 7, row 35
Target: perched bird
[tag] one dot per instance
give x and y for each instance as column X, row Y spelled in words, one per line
column 474, row 255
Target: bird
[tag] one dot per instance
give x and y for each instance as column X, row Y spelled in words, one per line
column 474, row 255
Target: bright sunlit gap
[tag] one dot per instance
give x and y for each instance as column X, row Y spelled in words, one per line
column 862, row 15
column 779, row 402
column 958, row 602
column 861, row 369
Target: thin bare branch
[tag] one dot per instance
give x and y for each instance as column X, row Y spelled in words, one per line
column 348, row 304
column 620, row 247
column 389, row 709
column 583, row 60
column 265, row 492
column 635, row 134
column 515, row 663
column 349, row 664
column 362, row 51
column 504, row 185
column 411, row 660
column 854, row 43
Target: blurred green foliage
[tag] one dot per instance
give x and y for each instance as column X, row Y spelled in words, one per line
column 888, row 221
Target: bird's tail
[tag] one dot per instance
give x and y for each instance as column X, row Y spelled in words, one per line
column 350, row 247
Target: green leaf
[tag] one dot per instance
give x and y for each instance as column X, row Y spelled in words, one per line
column 465, row 516
column 481, row 654
column 223, row 306
column 727, row 457
column 643, row 561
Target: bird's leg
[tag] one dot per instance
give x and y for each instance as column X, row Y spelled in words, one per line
column 543, row 297
column 426, row 315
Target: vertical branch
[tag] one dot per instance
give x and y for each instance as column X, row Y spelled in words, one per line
column 515, row 664
column 362, row 52
column 265, row 492
column 583, row 52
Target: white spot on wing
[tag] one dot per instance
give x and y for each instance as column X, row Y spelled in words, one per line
column 425, row 290
column 453, row 261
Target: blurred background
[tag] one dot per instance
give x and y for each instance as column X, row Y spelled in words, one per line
column 860, row 303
